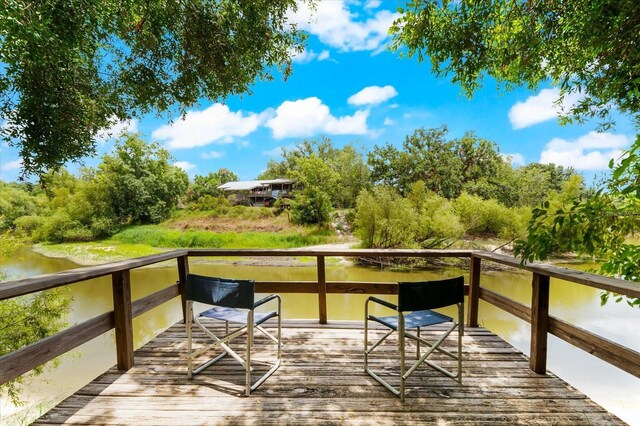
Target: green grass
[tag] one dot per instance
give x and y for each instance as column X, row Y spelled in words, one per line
column 140, row 241
column 157, row 236
column 237, row 212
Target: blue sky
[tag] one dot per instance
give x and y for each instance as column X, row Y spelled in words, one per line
column 347, row 86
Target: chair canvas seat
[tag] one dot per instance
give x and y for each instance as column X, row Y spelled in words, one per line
column 236, row 315
column 413, row 311
column 413, row 320
column 232, row 301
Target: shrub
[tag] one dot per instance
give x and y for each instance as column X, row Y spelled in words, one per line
column 480, row 216
column 102, row 227
column 77, row 234
column 29, row 225
column 384, row 219
column 208, row 202
column 310, row 206
column 438, row 223
column 55, row 227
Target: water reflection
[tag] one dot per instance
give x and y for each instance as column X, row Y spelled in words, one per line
column 617, row 391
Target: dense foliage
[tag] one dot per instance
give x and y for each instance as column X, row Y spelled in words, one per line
column 134, row 185
column 207, row 186
column 311, row 205
column 469, row 164
column 603, row 224
column 27, row 319
column 588, row 49
column 445, row 166
column 72, row 68
column 386, row 219
column 139, row 183
column 330, row 177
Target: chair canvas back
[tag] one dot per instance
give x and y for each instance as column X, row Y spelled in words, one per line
column 418, row 296
column 229, row 293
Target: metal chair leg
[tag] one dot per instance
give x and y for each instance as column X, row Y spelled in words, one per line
column 189, row 338
column 402, row 354
column 248, row 357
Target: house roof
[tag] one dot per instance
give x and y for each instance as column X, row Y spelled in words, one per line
column 248, row 185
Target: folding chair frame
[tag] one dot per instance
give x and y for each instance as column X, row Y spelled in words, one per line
column 229, row 335
column 402, row 335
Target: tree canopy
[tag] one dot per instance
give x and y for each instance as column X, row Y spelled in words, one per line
column 341, row 173
column 445, row 166
column 585, row 47
column 71, row 68
column 139, row 183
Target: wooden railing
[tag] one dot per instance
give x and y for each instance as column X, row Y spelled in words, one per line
column 25, row 359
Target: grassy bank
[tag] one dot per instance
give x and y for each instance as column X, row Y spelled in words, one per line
column 158, row 236
column 144, row 240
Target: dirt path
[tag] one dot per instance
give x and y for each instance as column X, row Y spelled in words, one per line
column 286, row 261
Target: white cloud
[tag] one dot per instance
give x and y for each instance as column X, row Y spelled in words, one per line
column 306, row 117
column 12, row 165
column 541, row 107
column 307, row 56
column 337, row 27
column 216, row 124
column 212, row 155
column 373, row 95
column 185, row 165
column 274, row 153
column 117, row 128
column 372, row 4
column 515, row 159
column 589, row 152
column 389, row 122
column 323, row 56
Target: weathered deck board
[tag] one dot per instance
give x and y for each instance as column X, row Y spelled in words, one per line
column 322, row 381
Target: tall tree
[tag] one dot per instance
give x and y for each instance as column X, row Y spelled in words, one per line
column 71, row 68
column 445, row 166
column 139, row 182
column 341, row 173
column 208, row 185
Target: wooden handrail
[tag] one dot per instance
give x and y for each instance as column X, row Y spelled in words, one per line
column 615, row 354
column 30, row 285
column 336, row 252
column 616, row 285
column 16, row 363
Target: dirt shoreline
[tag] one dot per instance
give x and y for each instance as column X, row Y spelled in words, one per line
column 86, row 259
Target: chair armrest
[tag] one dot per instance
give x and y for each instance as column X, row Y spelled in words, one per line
column 383, row 302
column 265, row 300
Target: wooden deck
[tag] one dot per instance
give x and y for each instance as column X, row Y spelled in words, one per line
column 322, row 381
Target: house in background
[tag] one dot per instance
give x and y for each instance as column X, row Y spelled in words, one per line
column 259, row 192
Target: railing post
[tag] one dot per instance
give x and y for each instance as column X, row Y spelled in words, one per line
column 539, row 323
column 183, row 270
column 474, row 291
column 322, row 291
column 123, row 317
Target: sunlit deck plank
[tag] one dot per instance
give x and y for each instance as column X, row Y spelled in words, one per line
column 322, row 381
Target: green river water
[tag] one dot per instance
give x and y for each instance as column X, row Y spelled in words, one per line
column 610, row 387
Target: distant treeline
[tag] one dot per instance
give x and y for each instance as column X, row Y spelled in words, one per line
column 427, row 193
